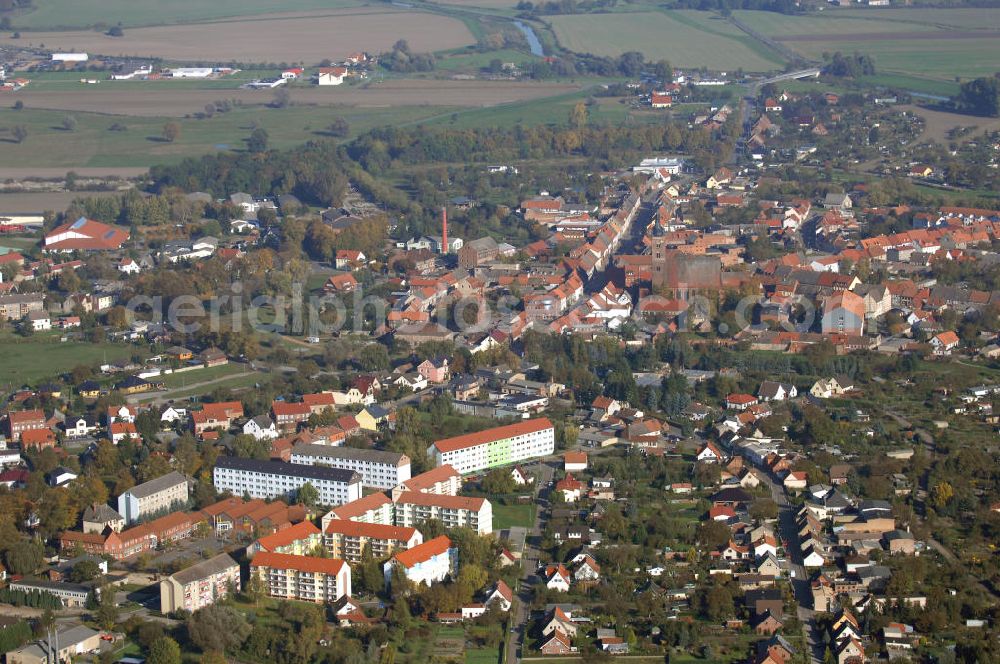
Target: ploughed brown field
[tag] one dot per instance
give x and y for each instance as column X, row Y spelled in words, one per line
column 159, row 100
column 308, row 37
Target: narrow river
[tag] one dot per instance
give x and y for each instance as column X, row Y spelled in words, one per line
column 533, row 43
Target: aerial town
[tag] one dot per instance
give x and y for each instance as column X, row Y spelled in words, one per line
column 701, row 367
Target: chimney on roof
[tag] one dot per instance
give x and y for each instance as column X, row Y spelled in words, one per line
column 444, row 230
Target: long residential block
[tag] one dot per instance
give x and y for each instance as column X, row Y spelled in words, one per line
column 348, row 539
column 305, row 578
column 499, row 446
column 162, row 494
column 412, row 509
column 378, row 469
column 276, row 479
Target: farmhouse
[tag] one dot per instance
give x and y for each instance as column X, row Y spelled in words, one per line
column 331, row 75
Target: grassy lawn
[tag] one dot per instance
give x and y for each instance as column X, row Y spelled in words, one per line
column 238, row 381
column 686, row 39
column 482, row 656
column 914, row 83
column 506, row 516
column 200, row 375
column 34, row 359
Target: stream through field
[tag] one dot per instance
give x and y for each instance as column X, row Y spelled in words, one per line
column 533, row 42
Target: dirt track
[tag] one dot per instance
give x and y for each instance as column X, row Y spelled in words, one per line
column 162, row 101
column 291, row 38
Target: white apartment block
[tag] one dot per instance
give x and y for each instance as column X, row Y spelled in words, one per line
column 305, row 578
column 275, row 479
column 499, row 446
column 444, row 480
column 378, row 469
column 348, row 539
column 374, row 508
column 161, row 495
column 428, row 563
column 412, row 509
column 200, row 585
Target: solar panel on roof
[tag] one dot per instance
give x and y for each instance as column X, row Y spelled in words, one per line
column 78, row 223
column 109, row 234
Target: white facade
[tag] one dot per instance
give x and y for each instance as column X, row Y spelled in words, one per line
column 70, row 57
column 499, row 446
column 378, row 469
column 427, row 563
column 191, row 72
column 412, row 509
column 274, row 479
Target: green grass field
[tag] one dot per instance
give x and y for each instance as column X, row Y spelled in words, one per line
column 482, row 656
column 506, row 516
column 93, row 143
column 966, row 18
column 941, row 59
column 685, row 38
column 200, row 375
column 825, row 23
column 927, row 48
column 51, row 14
column 35, row 359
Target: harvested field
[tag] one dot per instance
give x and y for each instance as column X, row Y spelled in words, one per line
column 299, row 38
column 162, row 101
column 61, row 14
column 52, row 172
column 49, row 200
column 686, row 39
column 937, row 124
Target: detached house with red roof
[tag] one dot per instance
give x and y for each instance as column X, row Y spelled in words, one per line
column 349, row 259
column 740, row 401
column 944, row 342
column 85, row 235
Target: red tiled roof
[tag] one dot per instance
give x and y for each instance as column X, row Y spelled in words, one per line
column 431, row 477
column 24, row 416
column 361, row 505
column 287, row 536
column 328, row 566
column 489, row 435
column 280, row 408
column 91, row 235
column 370, row 530
column 423, row 552
column 439, row 500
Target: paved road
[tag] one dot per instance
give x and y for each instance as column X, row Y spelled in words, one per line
column 789, row 531
column 543, row 473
